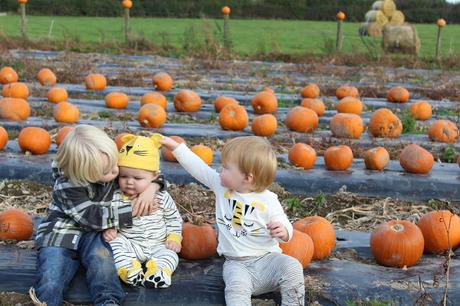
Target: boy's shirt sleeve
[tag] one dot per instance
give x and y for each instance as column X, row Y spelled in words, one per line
column 278, row 215
column 173, row 219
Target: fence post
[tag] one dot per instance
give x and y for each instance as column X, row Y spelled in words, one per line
column 22, row 5
column 339, row 40
column 441, row 24
column 127, row 5
column 226, row 12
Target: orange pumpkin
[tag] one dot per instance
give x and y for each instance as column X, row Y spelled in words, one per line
column 223, row 101
column 443, row 131
column 226, row 10
column 302, row 155
column 95, row 81
column 269, row 89
column 321, row 231
column 203, row 152
column 151, row 116
column 66, row 112
column 440, row 228
column 415, row 159
column 315, row 105
column 264, row 103
column 167, row 154
column 22, row 1
column 340, row 16
column 300, row 247
column 441, row 23
column 421, row 110
column 14, row 109
column 118, row 140
column 117, row 100
column 398, row 94
column 264, row 125
column 162, row 81
column 397, row 243
column 46, row 77
column 34, row 140
column 15, row 224
column 62, row 133
column 3, row 137
column 198, row 241
column 384, row 123
column 346, row 91
column 310, row 91
column 8, row 75
column 187, row 101
column 233, row 117
column 350, row 105
column 376, row 158
column 154, row 98
column 301, row 119
column 57, row 95
column 338, row 158
column 15, row 90
column 345, row 125
column 127, row 4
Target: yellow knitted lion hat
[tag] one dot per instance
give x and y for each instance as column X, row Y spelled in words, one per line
column 140, row 152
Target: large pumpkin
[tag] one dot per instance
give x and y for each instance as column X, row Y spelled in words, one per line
column 310, row 91
column 151, row 116
column 384, row 123
column 167, row 154
column 350, row 105
column 301, row 119
column 3, row 137
column 302, row 155
column 321, row 232
column 443, row 131
column 15, row 224
column 46, row 77
column 34, row 140
column 397, row 243
column 345, row 125
column 162, row 81
column 346, row 91
column 338, row 158
column 264, row 125
column 222, row 101
column 66, row 112
column 440, row 228
column 8, row 75
column 421, row 110
column 95, row 81
column 264, row 103
column 203, row 152
column 62, row 133
column 315, row 105
column 300, row 247
column 198, row 241
column 398, row 94
column 233, row 117
column 117, row 100
column 14, row 109
column 187, row 101
column 415, row 159
column 15, row 90
column 376, row 158
column 57, row 95
column 154, row 98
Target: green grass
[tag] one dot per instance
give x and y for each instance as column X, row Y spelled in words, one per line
column 248, row 36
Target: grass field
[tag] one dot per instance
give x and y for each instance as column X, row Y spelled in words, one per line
column 248, row 36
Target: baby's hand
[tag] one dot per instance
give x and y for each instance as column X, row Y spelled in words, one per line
column 169, row 143
column 173, row 246
column 278, row 230
column 109, row 234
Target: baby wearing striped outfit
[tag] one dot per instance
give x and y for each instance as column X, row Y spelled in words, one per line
column 154, row 239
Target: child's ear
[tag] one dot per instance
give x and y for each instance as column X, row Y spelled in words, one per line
column 249, row 178
column 127, row 138
column 156, row 140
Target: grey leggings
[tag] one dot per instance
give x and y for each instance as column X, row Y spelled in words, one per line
column 258, row 275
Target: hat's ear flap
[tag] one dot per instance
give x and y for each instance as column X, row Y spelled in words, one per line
column 156, row 140
column 128, row 137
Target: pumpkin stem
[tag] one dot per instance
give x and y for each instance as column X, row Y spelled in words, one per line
column 397, row 227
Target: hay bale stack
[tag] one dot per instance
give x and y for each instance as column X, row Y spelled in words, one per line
column 388, row 8
column 377, row 6
column 400, row 39
column 376, row 16
column 397, row 18
column 374, row 29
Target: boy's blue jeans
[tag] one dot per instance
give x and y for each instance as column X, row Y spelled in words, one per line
column 57, row 267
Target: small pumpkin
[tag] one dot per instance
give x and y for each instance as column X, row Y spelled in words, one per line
column 269, row 89
column 350, row 105
column 443, row 131
column 300, row 247
column 203, row 152
column 187, row 101
column 441, row 23
column 62, row 133
column 397, row 243
column 167, row 154
column 3, row 137
column 421, row 110
column 415, row 159
column 127, row 4
column 66, row 112
column 346, row 91
column 15, row 224
column 310, row 91
column 198, row 241
column 221, row 101
column 34, row 140
column 301, row 119
column 264, row 125
column 95, row 81
column 264, row 103
column 162, row 81
column 226, row 10
column 151, row 116
column 315, row 105
column 16, row 90
column 321, row 231
column 338, row 158
column 154, row 98
column 345, row 125
column 398, row 94
column 118, row 140
column 46, row 77
column 233, row 117
column 22, row 1
column 117, row 100
column 57, row 95
column 8, row 75
column 440, row 228
column 302, row 155
column 376, row 158
column 383, row 123
column 340, row 16
column 14, row 109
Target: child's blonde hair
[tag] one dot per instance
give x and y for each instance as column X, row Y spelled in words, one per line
column 253, row 155
column 80, row 154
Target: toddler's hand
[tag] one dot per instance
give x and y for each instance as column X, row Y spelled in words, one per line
column 169, row 143
column 278, row 230
column 146, row 203
column 173, row 246
column 109, row 234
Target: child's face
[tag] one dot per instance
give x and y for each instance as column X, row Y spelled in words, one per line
column 232, row 177
column 109, row 173
column 134, row 181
